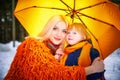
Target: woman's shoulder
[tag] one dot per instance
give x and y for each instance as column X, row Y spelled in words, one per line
column 31, row 42
column 32, row 46
column 32, row 39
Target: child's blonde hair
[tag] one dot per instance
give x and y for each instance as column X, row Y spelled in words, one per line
column 81, row 30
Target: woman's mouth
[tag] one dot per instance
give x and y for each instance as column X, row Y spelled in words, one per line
column 58, row 39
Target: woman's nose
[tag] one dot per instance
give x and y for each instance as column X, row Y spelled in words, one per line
column 59, row 33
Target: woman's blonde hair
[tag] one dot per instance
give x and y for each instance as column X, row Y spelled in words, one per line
column 81, row 30
column 45, row 33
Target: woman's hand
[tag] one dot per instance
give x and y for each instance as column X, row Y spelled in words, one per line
column 98, row 65
column 58, row 54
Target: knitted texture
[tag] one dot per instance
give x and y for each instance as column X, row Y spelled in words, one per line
column 33, row 61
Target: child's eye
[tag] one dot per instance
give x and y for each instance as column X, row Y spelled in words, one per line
column 74, row 33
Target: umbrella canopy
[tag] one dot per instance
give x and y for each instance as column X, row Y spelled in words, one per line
column 101, row 18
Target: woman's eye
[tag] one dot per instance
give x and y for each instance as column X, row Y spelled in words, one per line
column 54, row 28
column 65, row 31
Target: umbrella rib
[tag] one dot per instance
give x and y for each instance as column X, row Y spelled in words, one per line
column 50, row 8
column 92, row 6
column 66, row 10
column 43, row 7
column 73, row 14
column 66, row 4
column 90, row 32
column 74, row 5
column 86, row 26
column 97, row 19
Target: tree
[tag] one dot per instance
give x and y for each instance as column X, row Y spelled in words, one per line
column 6, row 23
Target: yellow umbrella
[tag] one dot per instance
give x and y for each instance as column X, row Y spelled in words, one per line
column 101, row 18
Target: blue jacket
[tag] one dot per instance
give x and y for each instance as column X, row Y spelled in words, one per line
column 72, row 59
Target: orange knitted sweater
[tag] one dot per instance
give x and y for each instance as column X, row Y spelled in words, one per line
column 33, row 61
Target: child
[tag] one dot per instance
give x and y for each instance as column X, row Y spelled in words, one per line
column 79, row 50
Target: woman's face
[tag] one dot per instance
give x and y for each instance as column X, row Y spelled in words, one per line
column 58, row 33
column 73, row 37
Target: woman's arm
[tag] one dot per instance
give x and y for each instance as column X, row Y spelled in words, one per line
column 97, row 66
column 33, row 60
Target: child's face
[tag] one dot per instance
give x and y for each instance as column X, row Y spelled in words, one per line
column 73, row 37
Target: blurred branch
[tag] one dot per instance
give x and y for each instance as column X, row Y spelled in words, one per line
column 13, row 23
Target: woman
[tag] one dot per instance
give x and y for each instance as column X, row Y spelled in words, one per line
column 35, row 59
